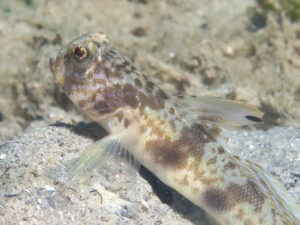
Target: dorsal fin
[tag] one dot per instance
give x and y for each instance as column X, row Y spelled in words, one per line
column 221, row 111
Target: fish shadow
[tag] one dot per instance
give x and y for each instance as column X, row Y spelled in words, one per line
column 175, row 200
column 86, row 129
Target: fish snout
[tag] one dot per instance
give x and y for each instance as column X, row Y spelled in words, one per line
column 56, row 69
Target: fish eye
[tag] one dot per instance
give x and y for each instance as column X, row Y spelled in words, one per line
column 80, row 52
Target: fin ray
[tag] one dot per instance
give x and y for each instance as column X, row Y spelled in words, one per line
column 95, row 154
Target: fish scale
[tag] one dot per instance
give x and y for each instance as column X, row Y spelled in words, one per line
column 181, row 148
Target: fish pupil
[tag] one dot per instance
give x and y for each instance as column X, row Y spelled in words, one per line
column 80, row 52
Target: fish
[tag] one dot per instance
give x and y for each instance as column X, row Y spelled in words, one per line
column 177, row 138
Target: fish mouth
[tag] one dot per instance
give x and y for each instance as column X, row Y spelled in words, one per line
column 54, row 63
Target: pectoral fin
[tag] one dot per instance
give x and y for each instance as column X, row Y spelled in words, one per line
column 106, row 152
column 97, row 154
column 221, row 111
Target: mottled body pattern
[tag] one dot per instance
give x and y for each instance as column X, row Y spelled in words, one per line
column 182, row 152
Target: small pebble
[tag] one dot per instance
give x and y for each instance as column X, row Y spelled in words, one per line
column 2, row 156
column 139, row 32
column 49, row 188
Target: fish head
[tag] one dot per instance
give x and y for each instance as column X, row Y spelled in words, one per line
column 74, row 65
column 97, row 78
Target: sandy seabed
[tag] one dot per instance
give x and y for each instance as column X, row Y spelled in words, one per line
column 202, row 47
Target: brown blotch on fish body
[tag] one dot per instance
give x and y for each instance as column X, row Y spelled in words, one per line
column 240, row 214
column 120, row 116
column 102, row 107
column 172, row 125
column 184, row 181
column 213, row 130
column 212, row 161
column 197, row 174
column 116, row 96
column 161, row 94
column 110, row 73
column 73, row 80
column 115, row 65
column 225, row 199
column 126, row 122
column 130, row 96
column 221, row 150
column 248, row 192
column 125, row 66
column 151, row 101
column 216, row 199
column 90, row 99
column 208, row 180
column 174, row 154
column 138, row 82
column 149, row 86
column 228, row 166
